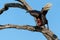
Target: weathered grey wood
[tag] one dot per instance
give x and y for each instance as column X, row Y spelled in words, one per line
column 46, row 32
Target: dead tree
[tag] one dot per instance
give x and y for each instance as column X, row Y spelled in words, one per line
column 42, row 29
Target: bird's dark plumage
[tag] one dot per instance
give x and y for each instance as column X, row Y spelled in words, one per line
column 40, row 17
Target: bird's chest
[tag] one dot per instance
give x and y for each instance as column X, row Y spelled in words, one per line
column 39, row 21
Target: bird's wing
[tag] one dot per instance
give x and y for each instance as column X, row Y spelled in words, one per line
column 46, row 8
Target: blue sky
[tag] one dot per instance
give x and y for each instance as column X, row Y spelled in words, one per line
column 20, row 17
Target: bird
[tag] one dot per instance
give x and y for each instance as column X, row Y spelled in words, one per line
column 41, row 15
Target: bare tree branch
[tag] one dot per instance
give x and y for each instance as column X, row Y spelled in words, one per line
column 49, row 34
column 46, row 32
column 14, row 5
column 24, row 3
column 25, row 27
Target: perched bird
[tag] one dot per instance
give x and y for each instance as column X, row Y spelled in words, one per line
column 41, row 15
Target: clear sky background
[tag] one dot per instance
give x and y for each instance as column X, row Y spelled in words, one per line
column 20, row 17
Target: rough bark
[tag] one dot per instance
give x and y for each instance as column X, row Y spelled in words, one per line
column 46, row 32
